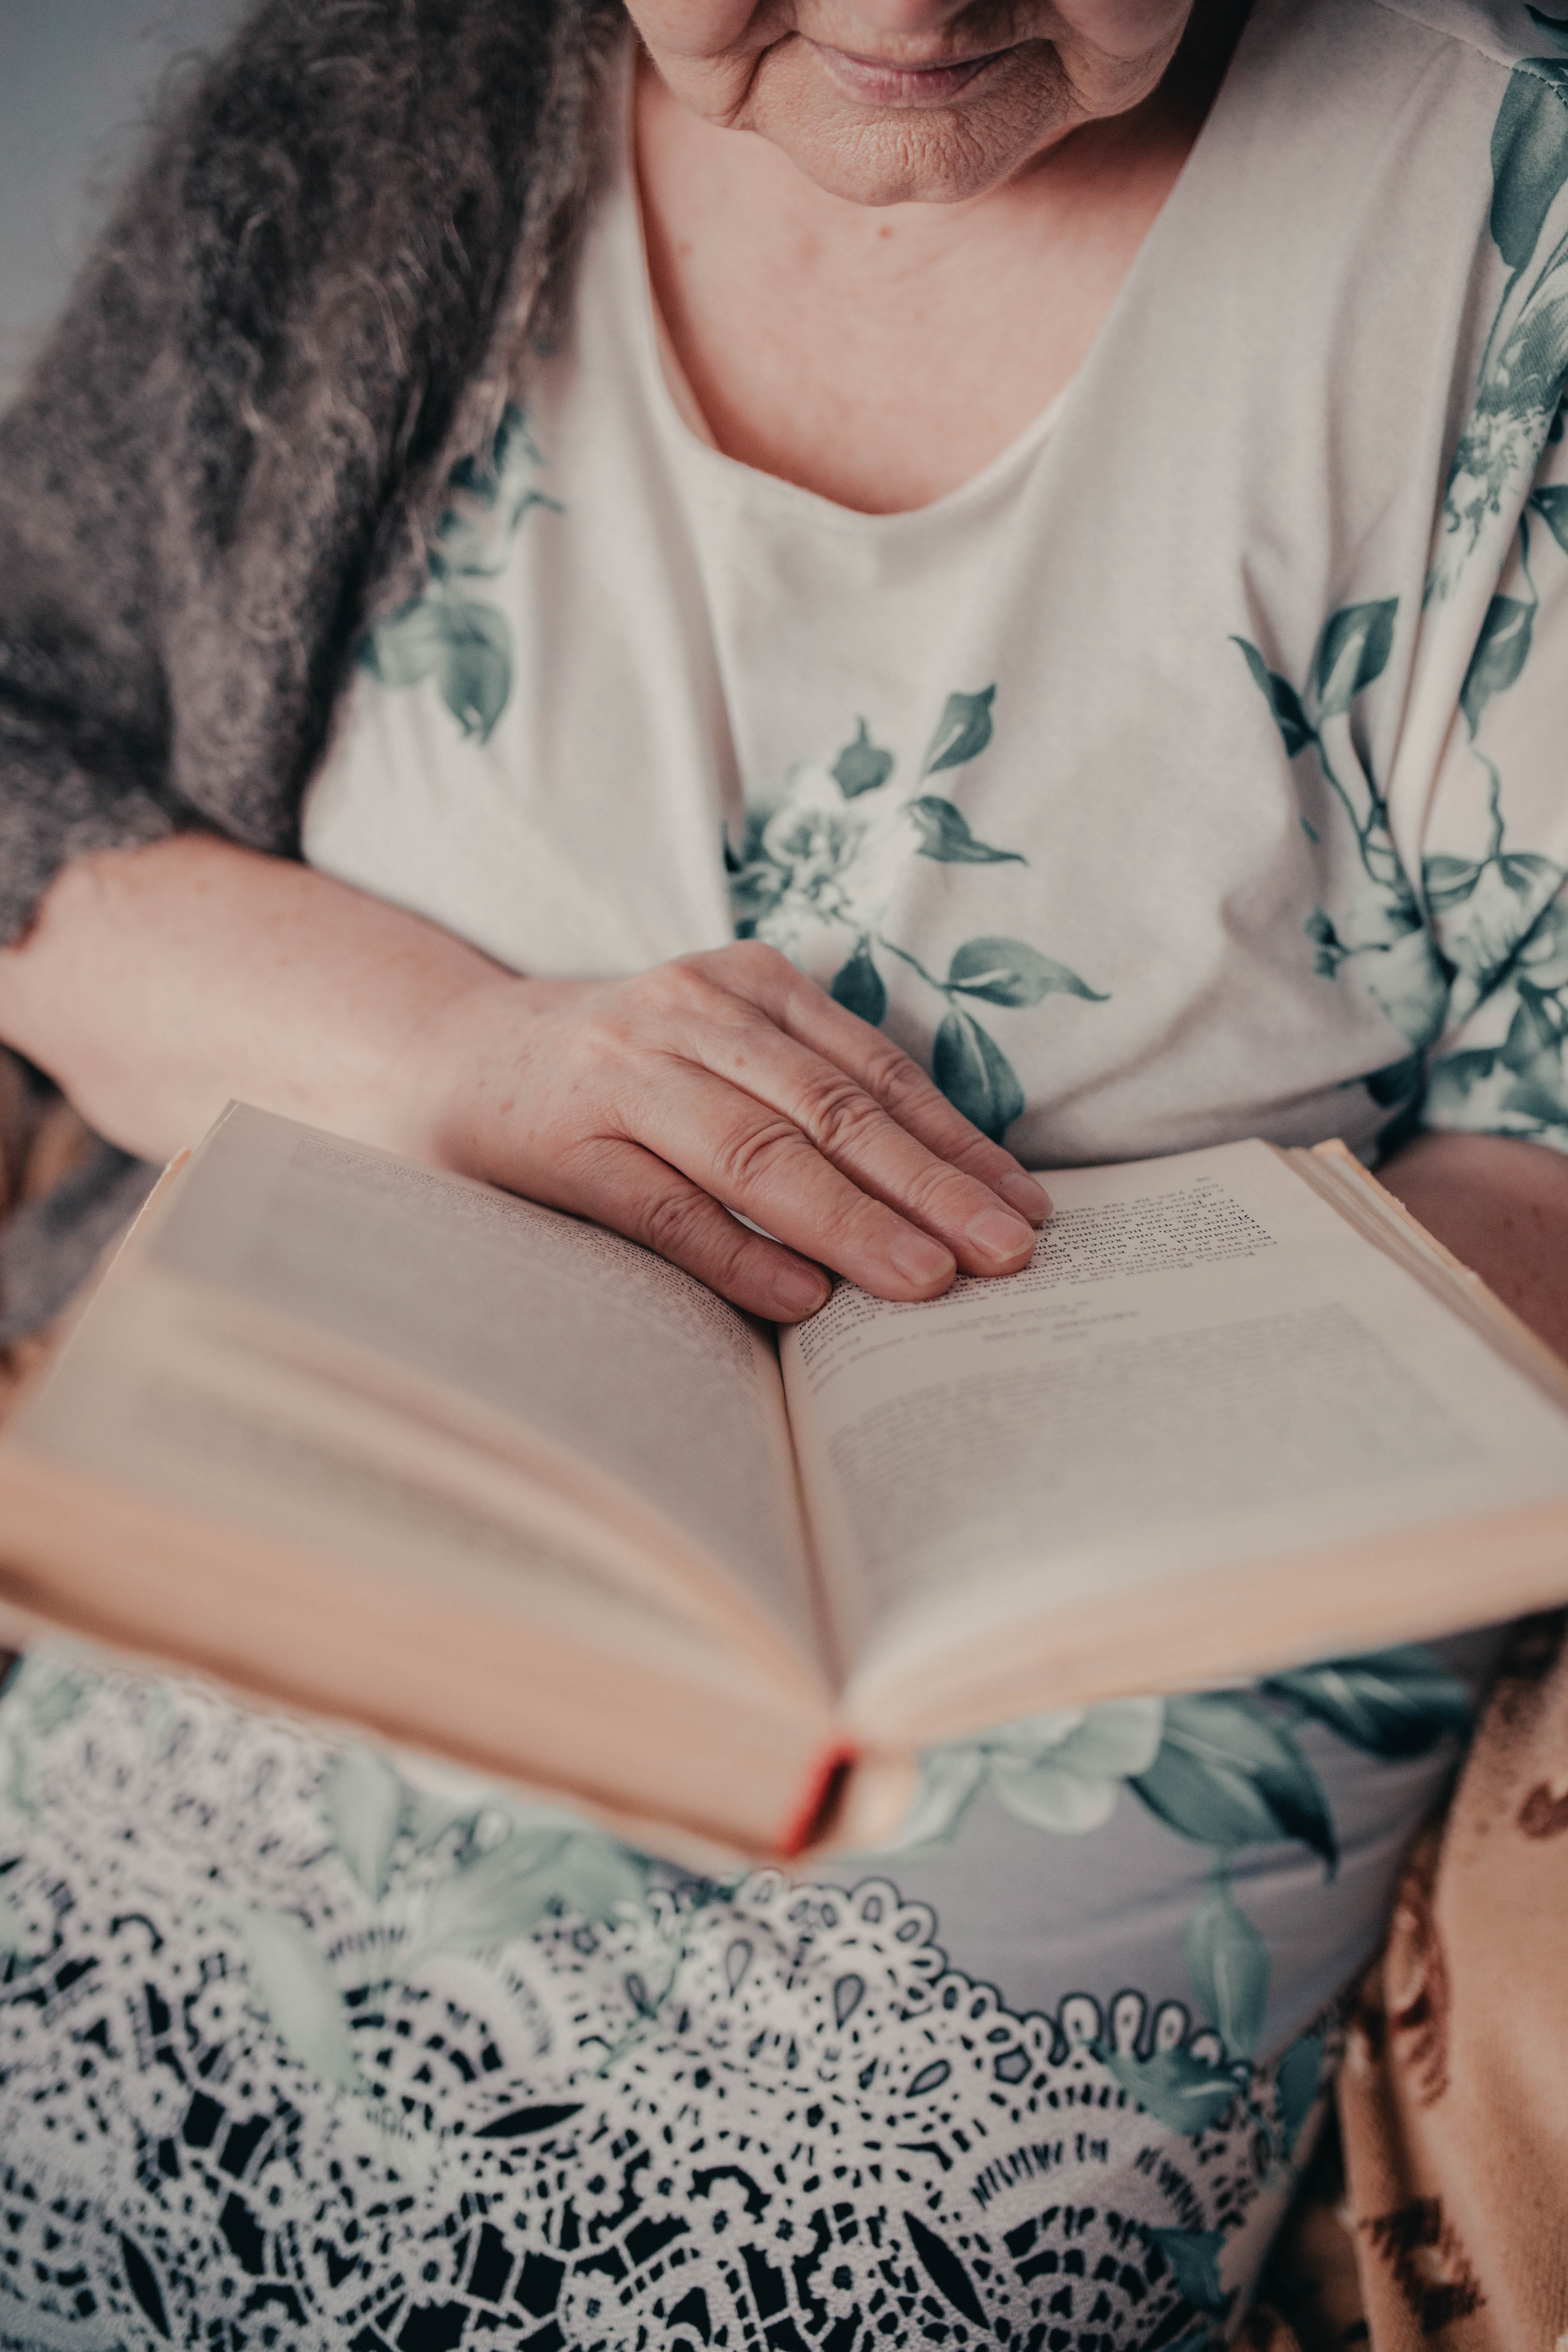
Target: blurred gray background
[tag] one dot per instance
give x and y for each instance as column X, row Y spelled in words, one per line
column 76, row 80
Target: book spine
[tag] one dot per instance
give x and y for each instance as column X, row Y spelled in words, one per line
column 812, row 1820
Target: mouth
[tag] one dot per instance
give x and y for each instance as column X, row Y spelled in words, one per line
column 876, row 81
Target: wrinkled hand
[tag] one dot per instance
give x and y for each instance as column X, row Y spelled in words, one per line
column 722, row 1086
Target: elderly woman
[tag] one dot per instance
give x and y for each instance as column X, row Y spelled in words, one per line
column 568, row 585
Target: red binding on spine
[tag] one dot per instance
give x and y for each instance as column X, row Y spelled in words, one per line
column 817, row 1805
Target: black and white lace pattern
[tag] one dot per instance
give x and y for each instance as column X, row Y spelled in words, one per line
column 287, row 2061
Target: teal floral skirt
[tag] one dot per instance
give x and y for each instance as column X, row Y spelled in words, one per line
column 302, row 2046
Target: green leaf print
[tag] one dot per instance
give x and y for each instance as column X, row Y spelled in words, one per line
column 473, row 664
column 1397, row 1081
column 1194, row 2256
column 1330, row 949
column 862, row 766
column 504, row 1892
column 1007, row 971
column 962, row 733
column 1511, row 893
column 290, row 1980
column 1536, row 1032
column 819, row 864
column 1228, row 1775
column 1296, row 2085
column 1550, row 503
column 1409, row 981
column 495, row 498
column 1501, row 651
column 1405, row 972
column 1062, row 1771
column 1520, row 384
column 491, row 1899
column 467, row 647
column 1555, row 27
column 1185, row 2094
column 859, row 986
column 1353, row 651
column 1449, row 881
column 402, row 650
column 975, row 1075
column 1526, row 376
column 1281, row 698
column 596, row 1878
column 361, row 1804
column 1452, row 1080
column 950, row 1778
column 462, row 642
column 1227, row 1962
column 1538, row 1099
column 1394, row 1703
column 945, row 836
column 433, row 1815
column 1530, row 156
column 56, row 1699
column 1543, row 958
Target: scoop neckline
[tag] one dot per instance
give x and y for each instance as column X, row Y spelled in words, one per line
column 660, row 361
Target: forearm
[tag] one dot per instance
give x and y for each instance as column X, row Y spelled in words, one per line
column 1502, row 1207
column 158, row 982
column 687, row 1107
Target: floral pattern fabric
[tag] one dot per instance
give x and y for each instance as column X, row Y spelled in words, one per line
column 1192, row 773
column 825, row 853
column 1465, row 947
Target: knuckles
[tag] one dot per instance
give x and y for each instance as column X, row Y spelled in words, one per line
column 900, row 1085
column 756, row 960
column 840, row 1117
column 677, row 1224
column 752, row 1153
column 749, row 980
column 748, row 969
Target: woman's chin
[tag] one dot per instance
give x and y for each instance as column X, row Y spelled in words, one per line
column 921, row 146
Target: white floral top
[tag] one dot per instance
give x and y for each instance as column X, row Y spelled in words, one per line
column 1193, row 772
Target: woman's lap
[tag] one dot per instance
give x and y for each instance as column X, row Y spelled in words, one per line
column 294, row 2047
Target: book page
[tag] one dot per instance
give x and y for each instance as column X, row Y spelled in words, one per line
column 1204, row 1363
column 627, row 1364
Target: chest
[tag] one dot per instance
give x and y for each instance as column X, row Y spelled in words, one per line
column 996, row 771
column 882, row 357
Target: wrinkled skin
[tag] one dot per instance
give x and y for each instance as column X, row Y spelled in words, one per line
column 795, row 72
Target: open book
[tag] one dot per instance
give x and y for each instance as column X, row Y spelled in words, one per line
column 390, row 1447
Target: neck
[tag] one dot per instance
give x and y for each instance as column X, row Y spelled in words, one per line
column 880, row 355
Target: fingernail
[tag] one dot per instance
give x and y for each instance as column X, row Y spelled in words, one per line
column 996, row 1235
column 797, row 1294
column 920, row 1260
column 1028, row 1198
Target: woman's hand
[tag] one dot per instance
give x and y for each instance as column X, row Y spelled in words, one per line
column 157, row 983
column 726, row 1086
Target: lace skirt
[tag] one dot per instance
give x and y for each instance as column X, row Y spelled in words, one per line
column 310, row 2046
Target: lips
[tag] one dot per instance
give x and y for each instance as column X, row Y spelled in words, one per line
column 876, row 82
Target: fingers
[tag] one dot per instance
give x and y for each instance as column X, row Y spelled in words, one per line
column 756, row 1167
column 726, row 1087
column 904, row 1091
column 756, row 1160
column 639, row 1194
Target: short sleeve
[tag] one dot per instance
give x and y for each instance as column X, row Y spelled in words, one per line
column 1495, row 853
